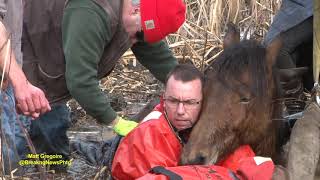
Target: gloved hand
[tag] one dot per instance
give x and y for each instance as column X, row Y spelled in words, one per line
column 123, row 126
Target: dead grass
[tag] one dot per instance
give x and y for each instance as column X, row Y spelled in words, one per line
column 200, row 38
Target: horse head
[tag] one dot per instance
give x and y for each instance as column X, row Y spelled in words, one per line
column 238, row 104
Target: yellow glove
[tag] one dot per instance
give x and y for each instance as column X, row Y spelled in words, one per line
column 123, row 127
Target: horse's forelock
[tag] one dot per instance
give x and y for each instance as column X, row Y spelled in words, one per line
column 247, row 56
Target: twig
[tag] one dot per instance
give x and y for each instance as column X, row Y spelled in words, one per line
column 103, row 169
column 138, row 92
column 204, row 51
column 32, row 149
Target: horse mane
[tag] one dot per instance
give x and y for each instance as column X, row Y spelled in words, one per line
column 248, row 55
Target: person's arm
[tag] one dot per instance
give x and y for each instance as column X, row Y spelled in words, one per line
column 85, row 33
column 30, row 99
column 156, row 57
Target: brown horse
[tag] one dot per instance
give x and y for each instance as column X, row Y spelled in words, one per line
column 239, row 105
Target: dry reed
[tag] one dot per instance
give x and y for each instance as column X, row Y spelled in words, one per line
column 200, row 37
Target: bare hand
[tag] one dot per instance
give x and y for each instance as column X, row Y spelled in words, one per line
column 31, row 100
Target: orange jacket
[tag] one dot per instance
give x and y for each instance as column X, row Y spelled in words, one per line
column 153, row 143
column 240, row 165
column 249, row 169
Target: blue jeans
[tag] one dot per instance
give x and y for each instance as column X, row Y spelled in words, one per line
column 9, row 127
column 49, row 132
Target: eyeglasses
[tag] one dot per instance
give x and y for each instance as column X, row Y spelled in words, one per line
column 187, row 104
column 140, row 36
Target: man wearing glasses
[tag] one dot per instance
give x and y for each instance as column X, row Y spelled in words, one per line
column 158, row 139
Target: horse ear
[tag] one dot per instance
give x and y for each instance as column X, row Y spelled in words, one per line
column 272, row 51
column 232, row 36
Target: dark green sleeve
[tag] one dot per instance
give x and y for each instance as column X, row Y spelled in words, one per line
column 156, row 57
column 85, row 34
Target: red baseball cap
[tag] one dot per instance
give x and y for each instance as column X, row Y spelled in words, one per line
column 161, row 17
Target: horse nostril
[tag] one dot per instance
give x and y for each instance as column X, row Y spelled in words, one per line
column 200, row 159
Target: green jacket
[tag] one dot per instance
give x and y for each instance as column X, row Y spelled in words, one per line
column 93, row 39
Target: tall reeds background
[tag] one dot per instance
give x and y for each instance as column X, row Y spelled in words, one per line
column 200, row 38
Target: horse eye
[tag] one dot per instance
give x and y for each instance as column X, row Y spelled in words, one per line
column 244, row 100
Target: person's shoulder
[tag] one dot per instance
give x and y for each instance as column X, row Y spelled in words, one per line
column 86, row 14
column 85, row 5
column 79, row 4
column 153, row 126
column 152, row 130
column 152, row 122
